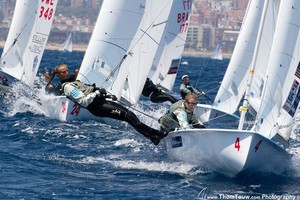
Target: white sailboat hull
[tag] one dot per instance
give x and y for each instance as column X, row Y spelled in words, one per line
column 64, row 109
column 206, row 113
column 226, row 151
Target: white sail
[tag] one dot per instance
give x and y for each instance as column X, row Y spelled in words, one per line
column 135, row 68
column 217, row 53
column 113, row 33
column 27, row 38
column 167, row 59
column 235, row 151
column 68, row 44
column 281, row 91
column 263, row 54
column 234, row 82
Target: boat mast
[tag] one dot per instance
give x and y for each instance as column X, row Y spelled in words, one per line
column 244, row 107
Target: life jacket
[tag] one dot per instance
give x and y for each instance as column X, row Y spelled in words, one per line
column 170, row 122
column 86, row 89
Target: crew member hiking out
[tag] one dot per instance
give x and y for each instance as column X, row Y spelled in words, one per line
column 100, row 103
column 155, row 93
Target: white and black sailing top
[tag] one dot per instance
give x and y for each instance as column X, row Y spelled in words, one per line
column 80, row 93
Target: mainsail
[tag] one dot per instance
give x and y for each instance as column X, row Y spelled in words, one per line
column 281, row 92
column 135, row 68
column 110, row 42
column 234, row 82
column 263, row 53
column 167, row 59
column 27, row 38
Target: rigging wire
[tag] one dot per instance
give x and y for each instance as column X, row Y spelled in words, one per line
column 141, row 112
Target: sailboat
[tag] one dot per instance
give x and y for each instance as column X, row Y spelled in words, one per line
column 263, row 148
column 118, row 60
column 67, row 45
column 234, row 83
column 217, row 53
column 26, row 40
column 106, row 49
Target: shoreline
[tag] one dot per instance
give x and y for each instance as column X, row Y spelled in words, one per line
column 82, row 48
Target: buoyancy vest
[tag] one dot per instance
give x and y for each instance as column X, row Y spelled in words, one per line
column 170, row 122
column 86, row 89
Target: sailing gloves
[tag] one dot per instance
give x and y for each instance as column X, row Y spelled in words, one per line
column 101, row 90
column 103, row 93
column 113, row 97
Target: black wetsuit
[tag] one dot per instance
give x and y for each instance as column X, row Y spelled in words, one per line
column 102, row 108
column 155, row 94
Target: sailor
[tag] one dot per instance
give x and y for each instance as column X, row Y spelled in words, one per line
column 181, row 115
column 4, row 87
column 186, row 88
column 45, row 77
column 3, row 80
column 102, row 104
column 58, row 87
column 155, row 93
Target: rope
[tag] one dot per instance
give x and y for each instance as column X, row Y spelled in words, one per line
column 141, row 112
column 204, row 64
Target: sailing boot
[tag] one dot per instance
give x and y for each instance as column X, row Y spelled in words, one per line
column 154, row 135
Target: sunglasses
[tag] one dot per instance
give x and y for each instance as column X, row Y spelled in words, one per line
column 192, row 103
column 63, row 72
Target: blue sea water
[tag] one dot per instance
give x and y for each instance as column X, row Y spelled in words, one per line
column 43, row 158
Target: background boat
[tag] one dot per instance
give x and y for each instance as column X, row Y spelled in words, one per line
column 68, row 44
column 217, row 53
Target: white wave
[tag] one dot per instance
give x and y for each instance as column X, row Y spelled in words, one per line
column 127, row 143
column 174, row 167
column 22, row 99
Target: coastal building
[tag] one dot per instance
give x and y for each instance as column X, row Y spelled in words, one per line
column 211, row 21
